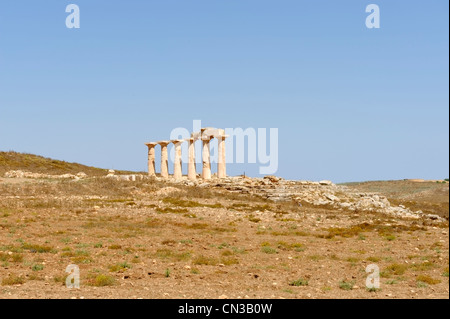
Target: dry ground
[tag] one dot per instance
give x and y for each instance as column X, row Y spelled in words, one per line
column 144, row 240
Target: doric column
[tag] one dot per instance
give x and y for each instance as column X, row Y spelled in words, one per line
column 222, row 165
column 192, row 172
column 206, row 172
column 177, row 168
column 164, row 159
column 151, row 159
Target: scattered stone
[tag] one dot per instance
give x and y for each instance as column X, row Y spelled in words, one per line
column 166, row 191
column 21, row 174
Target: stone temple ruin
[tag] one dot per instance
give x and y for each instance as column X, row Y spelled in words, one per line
column 205, row 135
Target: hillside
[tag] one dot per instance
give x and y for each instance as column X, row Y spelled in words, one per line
column 430, row 197
column 39, row 164
column 238, row 238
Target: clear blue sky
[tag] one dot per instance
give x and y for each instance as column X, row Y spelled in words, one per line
column 350, row 103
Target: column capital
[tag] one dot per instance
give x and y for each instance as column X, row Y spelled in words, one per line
column 177, row 141
column 151, row 144
column 163, row 143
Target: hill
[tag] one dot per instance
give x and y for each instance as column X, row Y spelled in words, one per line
column 39, row 164
column 428, row 196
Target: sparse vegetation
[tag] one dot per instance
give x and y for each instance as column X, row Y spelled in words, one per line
column 133, row 235
column 166, row 253
column 346, row 285
column 37, row 267
column 427, row 280
column 394, row 269
column 268, row 250
column 35, row 248
column 299, row 282
column 119, row 267
column 13, row 280
column 203, row 260
column 101, row 281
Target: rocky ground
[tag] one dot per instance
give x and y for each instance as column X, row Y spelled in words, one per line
column 135, row 237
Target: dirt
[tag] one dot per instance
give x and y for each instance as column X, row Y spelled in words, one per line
column 151, row 240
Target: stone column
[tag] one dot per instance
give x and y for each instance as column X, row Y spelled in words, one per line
column 177, row 168
column 206, row 172
column 221, row 164
column 164, row 159
column 192, row 171
column 151, row 159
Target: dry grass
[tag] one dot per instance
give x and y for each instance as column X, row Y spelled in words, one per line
column 13, row 280
column 101, row 281
column 394, row 269
column 189, row 203
column 385, row 231
column 35, row 248
column 172, row 255
column 119, row 267
column 427, row 280
column 203, row 260
column 427, row 265
column 168, row 210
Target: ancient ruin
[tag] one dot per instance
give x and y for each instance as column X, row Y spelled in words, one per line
column 205, row 135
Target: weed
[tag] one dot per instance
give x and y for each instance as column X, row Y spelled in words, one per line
column 166, row 253
column 195, row 271
column 428, row 280
column 394, row 269
column 37, row 267
column 229, row 261
column 423, row 266
column 13, row 280
column 119, row 267
column 34, row 248
column 101, row 281
column 268, row 250
column 299, row 282
column 346, row 285
column 203, row 260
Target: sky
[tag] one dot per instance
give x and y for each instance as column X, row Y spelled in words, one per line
column 350, row 103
